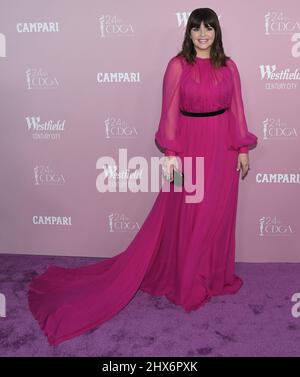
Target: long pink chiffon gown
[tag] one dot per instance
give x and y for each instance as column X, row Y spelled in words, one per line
column 185, row 251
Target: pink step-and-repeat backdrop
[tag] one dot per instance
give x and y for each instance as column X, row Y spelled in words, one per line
column 81, row 80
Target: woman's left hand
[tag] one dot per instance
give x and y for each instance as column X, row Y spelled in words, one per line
column 243, row 163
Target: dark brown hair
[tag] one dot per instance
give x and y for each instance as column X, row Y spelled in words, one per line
column 209, row 18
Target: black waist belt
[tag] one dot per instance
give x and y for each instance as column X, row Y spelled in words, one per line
column 212, row 113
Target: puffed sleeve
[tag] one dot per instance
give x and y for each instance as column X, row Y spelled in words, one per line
column 168, row 152
column 167, row 135
column 239, row 138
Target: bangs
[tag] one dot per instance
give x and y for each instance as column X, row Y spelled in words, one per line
column 207, row 24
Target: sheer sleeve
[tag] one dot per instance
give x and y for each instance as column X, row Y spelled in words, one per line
column 167, row 135
column 239, row 138
column 168, row 152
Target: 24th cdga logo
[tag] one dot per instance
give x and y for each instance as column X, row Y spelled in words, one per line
column 296, row 307
column 2, row 305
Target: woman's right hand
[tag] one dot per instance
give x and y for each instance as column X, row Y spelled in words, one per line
column 170, row 162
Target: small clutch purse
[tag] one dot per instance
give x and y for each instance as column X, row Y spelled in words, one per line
column 178, row 177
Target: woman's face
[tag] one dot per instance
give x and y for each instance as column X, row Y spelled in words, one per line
column 202, row 37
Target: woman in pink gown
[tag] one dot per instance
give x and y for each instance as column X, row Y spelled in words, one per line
column 184, row 251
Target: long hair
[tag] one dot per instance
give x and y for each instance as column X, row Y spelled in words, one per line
column 210, row 18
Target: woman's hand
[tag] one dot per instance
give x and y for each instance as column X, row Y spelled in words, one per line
column 168, row 166
column 243, row 163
